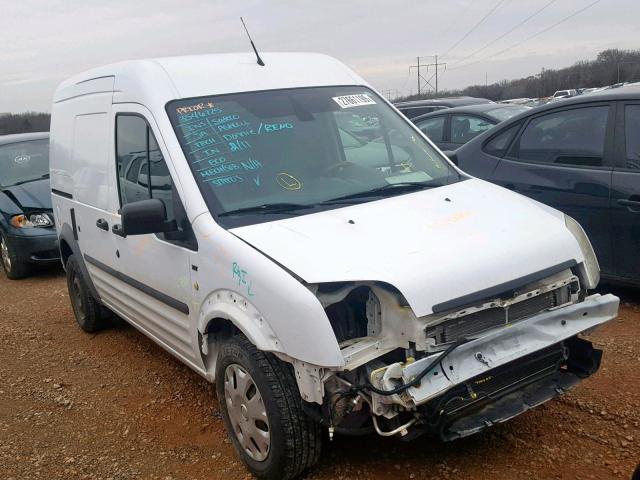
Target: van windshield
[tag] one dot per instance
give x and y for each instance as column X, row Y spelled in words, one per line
column 260, row 156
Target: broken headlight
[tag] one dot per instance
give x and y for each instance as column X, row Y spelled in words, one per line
column 591, row 266
column 32, row 220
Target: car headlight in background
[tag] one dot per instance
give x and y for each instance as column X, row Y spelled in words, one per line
column 32, row 220
column 591, row 266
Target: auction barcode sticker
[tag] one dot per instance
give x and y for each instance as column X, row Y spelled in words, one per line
column 346, row 101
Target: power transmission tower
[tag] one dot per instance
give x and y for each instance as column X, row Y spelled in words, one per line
column 427, row 65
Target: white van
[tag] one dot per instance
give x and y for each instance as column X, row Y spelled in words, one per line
column 319, row 289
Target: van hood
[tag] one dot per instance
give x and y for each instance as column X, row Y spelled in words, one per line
column 434, row 246
column 34, row 195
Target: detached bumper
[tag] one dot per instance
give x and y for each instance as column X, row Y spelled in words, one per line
column 37, row 249
column 513, row 388
column 480, row 357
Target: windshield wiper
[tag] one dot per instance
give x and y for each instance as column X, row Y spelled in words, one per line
column 22, row 182
column 384, row 191
column 282, row 207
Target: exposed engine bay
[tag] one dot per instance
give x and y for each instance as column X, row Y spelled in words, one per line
column 454, row 372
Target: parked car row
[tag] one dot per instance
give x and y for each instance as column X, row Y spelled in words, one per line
column 415, row 108
column 563, row 94
column 286, row 233
column 453, row 127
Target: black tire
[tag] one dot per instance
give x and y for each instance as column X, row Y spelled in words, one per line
column 13, row 267
column 89, row 314
column 295, row 439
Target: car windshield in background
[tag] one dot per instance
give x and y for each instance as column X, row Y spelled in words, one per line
column 505, row 113
column 23, row 162
column 302, row 147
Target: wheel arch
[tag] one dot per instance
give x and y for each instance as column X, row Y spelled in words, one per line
column 225, row 313
column 68, row 245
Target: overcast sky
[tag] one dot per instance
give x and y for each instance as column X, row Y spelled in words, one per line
column 44, row 41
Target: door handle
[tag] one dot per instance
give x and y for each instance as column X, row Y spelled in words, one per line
column 632, row 205
column 117, row 230
column 102, row 224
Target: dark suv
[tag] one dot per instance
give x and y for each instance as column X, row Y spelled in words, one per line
column 27, row 233
column 579, row 155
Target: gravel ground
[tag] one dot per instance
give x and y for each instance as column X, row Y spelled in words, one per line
column 115, row 406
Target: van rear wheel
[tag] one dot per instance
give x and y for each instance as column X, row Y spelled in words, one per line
column 88, row 312
column 262, row 411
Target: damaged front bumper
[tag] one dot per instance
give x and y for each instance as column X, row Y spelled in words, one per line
column 512, row 389
column 480, row 356
column 499, row 375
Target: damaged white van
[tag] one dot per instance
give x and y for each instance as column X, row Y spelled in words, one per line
column 289, row 235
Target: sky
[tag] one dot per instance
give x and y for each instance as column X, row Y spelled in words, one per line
column 42, row 42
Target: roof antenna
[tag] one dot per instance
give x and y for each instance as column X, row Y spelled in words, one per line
column 260, row 62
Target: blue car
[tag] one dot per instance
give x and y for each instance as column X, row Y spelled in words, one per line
column 579, row 155
column 27, row 232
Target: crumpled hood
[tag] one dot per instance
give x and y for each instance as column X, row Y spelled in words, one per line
column 34, row 195
column 433, row 246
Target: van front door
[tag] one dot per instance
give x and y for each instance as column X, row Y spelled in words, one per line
column 156, row 270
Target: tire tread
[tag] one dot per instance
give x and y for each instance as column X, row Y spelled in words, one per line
column 303, row 436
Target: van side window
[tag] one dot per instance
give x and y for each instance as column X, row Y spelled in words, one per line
column 142, row 170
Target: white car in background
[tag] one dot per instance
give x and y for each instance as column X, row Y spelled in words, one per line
column 564, row 94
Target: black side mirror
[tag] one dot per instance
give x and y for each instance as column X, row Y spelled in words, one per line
column 145, row 216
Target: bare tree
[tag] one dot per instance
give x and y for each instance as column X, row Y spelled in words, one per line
column 24, row 122
column 610, row 67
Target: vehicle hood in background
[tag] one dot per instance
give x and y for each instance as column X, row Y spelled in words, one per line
column 34, row 195
column 434, row 245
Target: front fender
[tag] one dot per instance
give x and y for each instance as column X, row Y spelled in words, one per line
column 281, row 313
column 229, row 305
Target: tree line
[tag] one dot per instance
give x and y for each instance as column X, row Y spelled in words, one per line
column 610, row 67
column 24, row 122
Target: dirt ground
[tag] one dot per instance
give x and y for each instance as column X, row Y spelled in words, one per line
column 115, row 406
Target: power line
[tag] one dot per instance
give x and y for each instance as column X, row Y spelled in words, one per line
column 456, row 20
column 404, row 84
column 472, row 29
column 518, row 25
column 531, row 37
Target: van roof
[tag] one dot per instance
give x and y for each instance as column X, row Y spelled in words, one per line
column 169, row 78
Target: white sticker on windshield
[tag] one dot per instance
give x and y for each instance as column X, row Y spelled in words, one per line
column 21, row 159
column 347, row 101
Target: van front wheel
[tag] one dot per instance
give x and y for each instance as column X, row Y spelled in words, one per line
column 262, row 411
column 88, row 312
